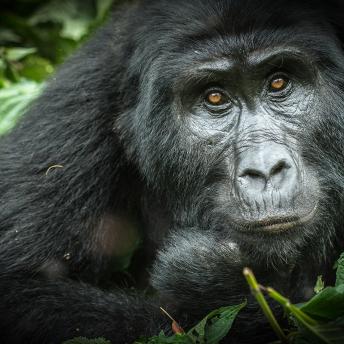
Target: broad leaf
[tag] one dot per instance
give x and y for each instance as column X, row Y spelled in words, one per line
column 327, row 305
column 330, row 333
column 16, row 54
column 340, row 270
column 36, row 68
column 216, row 325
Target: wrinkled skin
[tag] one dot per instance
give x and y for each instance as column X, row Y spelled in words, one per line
column 213, row 129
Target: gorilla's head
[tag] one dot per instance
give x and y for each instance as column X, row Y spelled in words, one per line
column 238, row 125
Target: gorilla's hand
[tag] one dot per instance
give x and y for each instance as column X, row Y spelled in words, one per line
column 197, row 272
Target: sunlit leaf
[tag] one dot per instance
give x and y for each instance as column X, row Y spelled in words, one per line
column 75, row 17
column 14, row 100
column 16, row 54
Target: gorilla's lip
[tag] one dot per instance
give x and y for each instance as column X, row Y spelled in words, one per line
column 275, row 224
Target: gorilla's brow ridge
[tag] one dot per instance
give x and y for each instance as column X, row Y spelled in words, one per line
column 258, row 57
column 203, row 69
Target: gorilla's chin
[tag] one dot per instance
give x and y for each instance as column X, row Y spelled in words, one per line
column 280, row 244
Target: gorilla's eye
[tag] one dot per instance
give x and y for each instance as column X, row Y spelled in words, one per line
column 278, row 84
column 216, row 100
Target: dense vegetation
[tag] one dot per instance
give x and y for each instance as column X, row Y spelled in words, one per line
column 36, row 36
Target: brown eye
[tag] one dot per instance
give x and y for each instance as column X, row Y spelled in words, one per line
column 215, row 98
column 278, row 84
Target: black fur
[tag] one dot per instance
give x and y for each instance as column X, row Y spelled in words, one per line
column 133, row 158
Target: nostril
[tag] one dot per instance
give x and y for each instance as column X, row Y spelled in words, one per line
column 253, row 174
column 279, row 168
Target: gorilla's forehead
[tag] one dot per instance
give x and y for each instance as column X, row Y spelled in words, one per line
column 230, row 57
column 260, row 40
column 203, row 18
column 202, row 31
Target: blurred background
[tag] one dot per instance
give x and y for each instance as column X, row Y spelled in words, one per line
column 35, row 37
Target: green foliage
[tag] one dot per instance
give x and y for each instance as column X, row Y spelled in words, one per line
column 215, row 325
column 329, row 333
column 209, row 330
column 320, row 285
column 35, row 36
column 318, row 321
column 340, row 270
column 321, row 319
column 53, row 27
column 327, row 305
column 162, row 339
column 14, row 100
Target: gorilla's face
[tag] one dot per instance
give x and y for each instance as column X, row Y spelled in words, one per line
column 231, row 119
column 249, row 113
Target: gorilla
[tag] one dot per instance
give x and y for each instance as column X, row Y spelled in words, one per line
column 213, row 131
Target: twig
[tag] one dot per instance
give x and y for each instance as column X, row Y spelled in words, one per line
column 257, row 293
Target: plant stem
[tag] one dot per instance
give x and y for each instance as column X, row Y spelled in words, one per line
column 257, row 293
column 301, row 316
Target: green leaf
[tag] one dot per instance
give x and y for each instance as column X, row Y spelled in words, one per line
column 329, row 333
column 340, row 270
column 17, row 54
column 36, row 68
column 7, row 35
column 14, row 100
column 317, row 319
column 75, row 17
column 320, row 285
column 162, row 339
column 103, row 7
column 327, row 305
column 216, row 325
column 83, row 340
column 219, row 328
column 210, row 330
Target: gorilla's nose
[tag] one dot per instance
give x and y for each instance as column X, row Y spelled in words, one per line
column 267, row 166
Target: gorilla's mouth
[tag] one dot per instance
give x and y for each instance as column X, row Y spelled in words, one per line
column 276, row 224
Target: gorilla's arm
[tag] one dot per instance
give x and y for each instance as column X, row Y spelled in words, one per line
column 50, row 219
column 198, row 272
column 33, row 311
